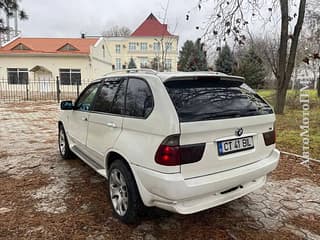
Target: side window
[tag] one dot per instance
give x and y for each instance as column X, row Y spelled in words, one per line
column 139, row 101
column 119, row 99
column 86, row 98
column 106, row 95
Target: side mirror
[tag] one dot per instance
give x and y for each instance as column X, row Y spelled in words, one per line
column 66, row 105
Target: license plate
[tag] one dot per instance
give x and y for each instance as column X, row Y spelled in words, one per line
column 235, row 145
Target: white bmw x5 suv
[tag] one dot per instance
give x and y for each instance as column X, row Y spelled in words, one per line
column 183, row 142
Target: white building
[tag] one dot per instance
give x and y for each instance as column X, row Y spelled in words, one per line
column 24, row 60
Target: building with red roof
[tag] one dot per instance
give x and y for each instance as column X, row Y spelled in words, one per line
column 74, row 60
column 151, row 27
column 150, row 45
column 41, row 60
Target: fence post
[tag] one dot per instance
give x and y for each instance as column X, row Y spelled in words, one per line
column 78, row 82
column 58, row 89
column 27, row 90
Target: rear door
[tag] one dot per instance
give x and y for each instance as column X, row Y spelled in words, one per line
column 227, row 116
column 78, row 118
column 105, row 121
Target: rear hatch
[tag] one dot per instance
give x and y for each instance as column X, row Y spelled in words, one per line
column 226, row 115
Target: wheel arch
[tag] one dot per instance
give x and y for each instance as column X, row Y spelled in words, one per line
column 114, row 155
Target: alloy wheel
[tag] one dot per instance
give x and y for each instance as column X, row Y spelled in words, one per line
column 118, row 192
column 62, row 142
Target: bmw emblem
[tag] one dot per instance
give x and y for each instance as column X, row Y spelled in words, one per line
column 239, row 131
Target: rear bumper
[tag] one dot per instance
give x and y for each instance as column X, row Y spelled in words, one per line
column 172, row 192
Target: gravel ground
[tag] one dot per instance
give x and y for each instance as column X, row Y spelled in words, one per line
column 45, row 197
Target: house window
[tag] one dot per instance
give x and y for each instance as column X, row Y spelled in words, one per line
column 68, row 47
column 132, row 46
column 169, row 46
column 18, row 75
column 70, row 76
column 144, row 46
column 118, row 63
column 118, row 47
column 20, row 46
column 156, row 46
column 168, row 65
column 143, row 62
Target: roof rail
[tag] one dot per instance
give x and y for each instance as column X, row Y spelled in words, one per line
column 134, row 70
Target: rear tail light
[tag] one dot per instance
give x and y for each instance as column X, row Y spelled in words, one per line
column 270, row 137
column 168, row 155
column 171, row 153
column 191, row 153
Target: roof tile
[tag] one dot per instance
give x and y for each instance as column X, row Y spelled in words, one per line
column 50, row 45
column 151, row 27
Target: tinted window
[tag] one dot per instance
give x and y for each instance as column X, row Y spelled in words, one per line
column 139, row 101
column 119, row 99
column 85, row 100
column 207, row 99
column 106, row 95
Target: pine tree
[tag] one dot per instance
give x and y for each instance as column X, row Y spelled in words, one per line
column 192, row 57
column 225, row 61
column 201, row 56
column 132, row 64
column 184, row 55
column 252, row 69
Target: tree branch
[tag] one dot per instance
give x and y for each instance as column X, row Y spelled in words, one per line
column 295, row 38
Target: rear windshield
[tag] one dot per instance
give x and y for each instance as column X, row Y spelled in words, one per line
column 206, row 98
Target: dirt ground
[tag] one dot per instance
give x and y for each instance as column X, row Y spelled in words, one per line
column 45, row 197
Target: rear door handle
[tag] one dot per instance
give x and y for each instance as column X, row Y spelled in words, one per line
column 84, row 119
column 111, row 124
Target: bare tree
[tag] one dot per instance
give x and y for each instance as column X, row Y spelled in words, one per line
column 117, row 31
column 311, row 40
column 165, row 42
column 231, row 20
column 267, row 49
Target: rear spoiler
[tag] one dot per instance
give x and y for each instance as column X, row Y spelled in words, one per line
column 214, row 77
column 233, row 78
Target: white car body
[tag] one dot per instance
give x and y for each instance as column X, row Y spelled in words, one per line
column 188, row 188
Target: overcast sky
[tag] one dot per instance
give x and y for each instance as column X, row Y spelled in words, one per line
column 68, row 18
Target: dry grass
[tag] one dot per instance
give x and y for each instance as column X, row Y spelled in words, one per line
column 288, row 124
column 288, row 131
column 291, row 167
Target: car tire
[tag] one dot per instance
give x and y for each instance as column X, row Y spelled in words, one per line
column 64, row 148
column 123, row 193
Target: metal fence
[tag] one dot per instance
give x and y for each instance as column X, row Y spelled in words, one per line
column 39, row 90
